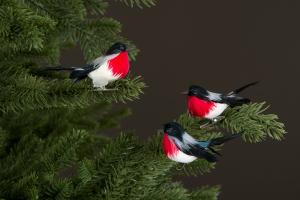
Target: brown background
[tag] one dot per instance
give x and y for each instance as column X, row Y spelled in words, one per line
column 221, row 44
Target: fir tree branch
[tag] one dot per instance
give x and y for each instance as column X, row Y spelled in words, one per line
column 195, row 168
column 3, row 142
column 60, row 189
column 169, row 191
column 22, row 30
column 96, row 7
column 23, row 92
column 251, row 121
column 138, row 3
column 206, row 193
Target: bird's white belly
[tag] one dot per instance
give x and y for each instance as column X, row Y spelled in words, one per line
column 217, row 110
column 102, row 76
column 182, row 157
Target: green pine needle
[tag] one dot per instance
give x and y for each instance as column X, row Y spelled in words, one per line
column 251, row 121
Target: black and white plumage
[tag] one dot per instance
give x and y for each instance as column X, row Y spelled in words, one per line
column 181, row 147
column 206, row 104
column 112, row 66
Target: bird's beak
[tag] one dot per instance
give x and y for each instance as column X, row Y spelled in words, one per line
column 185, row 92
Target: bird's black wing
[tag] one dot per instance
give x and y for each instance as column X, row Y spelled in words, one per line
column 191, row 148
column 199, row 152
column 233, row 100
column 81, row 73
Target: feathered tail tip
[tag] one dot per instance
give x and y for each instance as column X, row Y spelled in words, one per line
column 236, row 91
column 221, row 140
column 210, row 157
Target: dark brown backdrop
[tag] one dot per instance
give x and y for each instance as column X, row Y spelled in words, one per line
column 221, row 44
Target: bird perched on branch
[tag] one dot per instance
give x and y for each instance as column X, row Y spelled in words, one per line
column 181, row 147
column 210, row 105
column 112, row 66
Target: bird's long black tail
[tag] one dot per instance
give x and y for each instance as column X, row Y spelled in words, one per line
column 59, row 68
column 76, row 74
column 232, row 100
column 221, row 140
column 238, row 90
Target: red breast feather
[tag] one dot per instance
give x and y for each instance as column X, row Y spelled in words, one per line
column 199, row 107
column 170, row 149
column 120, row 65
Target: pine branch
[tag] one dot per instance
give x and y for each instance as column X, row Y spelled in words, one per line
column 3, row 142
column 60, row 190
column 86, row 169
column 22, row 30
column 95, row 36
column 192, row 125
column 195, row 168
column 20, row 188
column 206, row 193
column 253, row 123
column 96, row 7
column 23, row 93
column 125, row 168
column 33, row 164
column 138, row 3
column 169, row 190
column 62, row 151
column 48, row 156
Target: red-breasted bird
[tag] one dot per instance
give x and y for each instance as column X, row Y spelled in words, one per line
column 104, row 69
column 210, row 105
column 181, row 147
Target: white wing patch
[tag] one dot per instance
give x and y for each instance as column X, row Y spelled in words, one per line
column 214, row 96
column 217, row 110
column 188, row 139
column 102, row 59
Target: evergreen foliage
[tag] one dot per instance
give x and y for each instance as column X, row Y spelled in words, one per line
column 139, row 3
column 52, row 132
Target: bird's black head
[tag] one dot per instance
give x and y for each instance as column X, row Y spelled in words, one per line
column 195, row 90
column 116, row 48
column 174, row 129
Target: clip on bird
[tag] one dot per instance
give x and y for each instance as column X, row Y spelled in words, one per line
column 204, row 104
column 112, row 66
column 181, row 147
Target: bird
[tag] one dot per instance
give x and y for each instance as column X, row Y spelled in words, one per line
column 205, row 104
column 181, row 147
column 113, row 65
